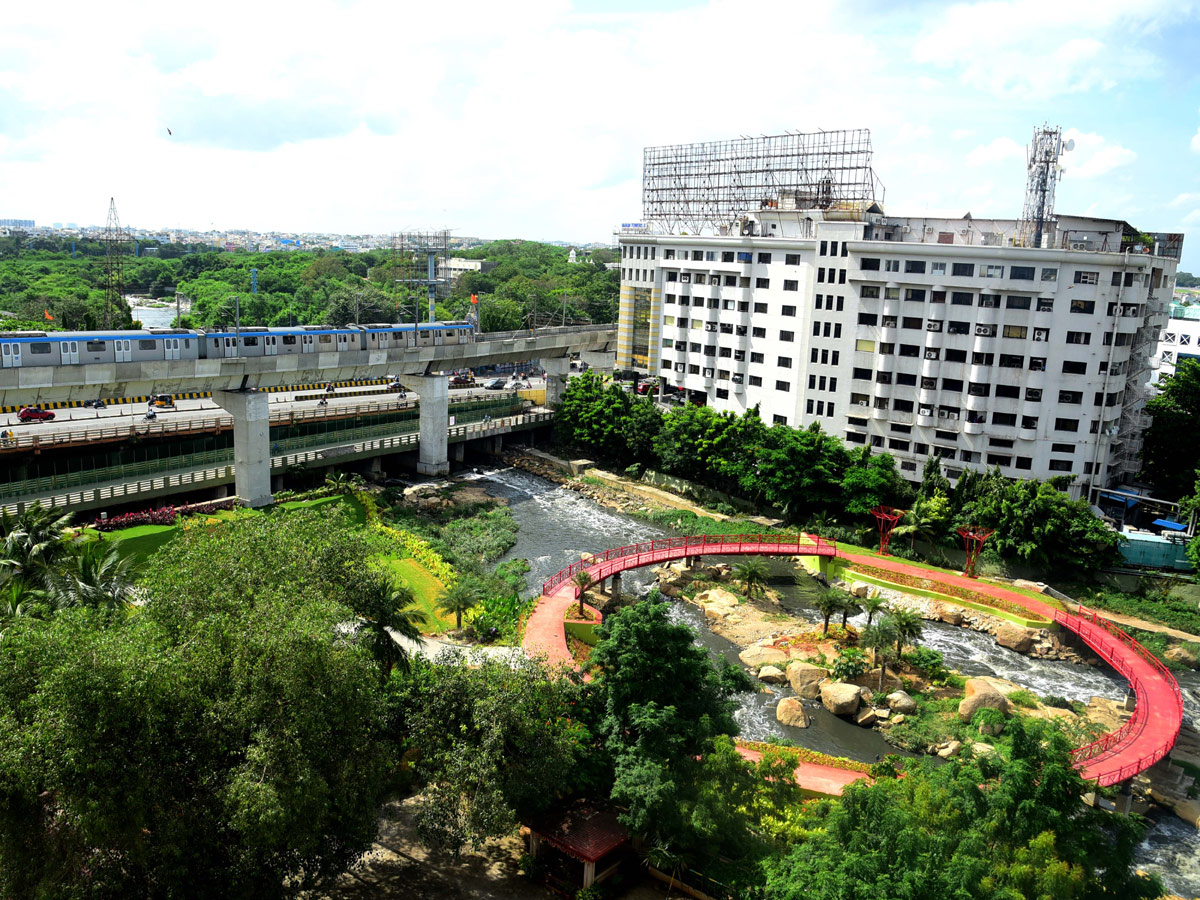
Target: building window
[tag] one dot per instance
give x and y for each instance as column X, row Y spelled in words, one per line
column 789, row 285
column 1018, row 302
column 992, row 272
column 915, row 294
column 865, row 318
column 1087, row 307
column 1066, row 424
column 784, row 362
column 760, row 307
column 1074, row 367
column 1049, row 274
column 891, row 265
column 1060, row 465
column 1075, row 397
column 756, row 357
column 783, row 386
column 1011, row 361
column 962, row 298
column 1079, row 337
column 758, row 332
column 762, row 282
column 755, row 381
column 791, row 259
column 869, row 264
column 727, row 256
column 1087, row 277
column 937, row 268
column 722, row 393
column 1016, row 331
column 1021, row 273
column 914, row 266
column 764, row 258
column 789, row 310
column 912, row 322
column 787, row 336
column 963, row 270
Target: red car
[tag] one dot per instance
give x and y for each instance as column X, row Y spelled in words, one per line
column 651, row 387
column 35, row 414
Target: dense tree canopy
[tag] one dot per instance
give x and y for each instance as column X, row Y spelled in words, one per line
column 1170, row 452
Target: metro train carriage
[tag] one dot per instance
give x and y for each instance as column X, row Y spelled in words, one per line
column 25, row 349
column 58, row 348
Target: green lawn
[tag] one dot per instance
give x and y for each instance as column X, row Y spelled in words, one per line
column 141, row 541
column 425, row 587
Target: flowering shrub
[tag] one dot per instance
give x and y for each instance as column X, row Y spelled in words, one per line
column 412, row 545
column 163, row 516
column 904, row 579
column 210, row 506
column 804, row 755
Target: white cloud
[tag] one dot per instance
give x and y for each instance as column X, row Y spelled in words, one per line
column 1192, row 218
column 1184, row 198
column 1196, row 141
column 998, row 151
column 1093, row 155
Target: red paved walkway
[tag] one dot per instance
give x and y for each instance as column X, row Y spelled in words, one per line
column 1146, row 738
column 819, row 779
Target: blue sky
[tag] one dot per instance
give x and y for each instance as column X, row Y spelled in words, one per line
column 528, row 119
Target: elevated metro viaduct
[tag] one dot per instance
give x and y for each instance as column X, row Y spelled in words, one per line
column 235, row 383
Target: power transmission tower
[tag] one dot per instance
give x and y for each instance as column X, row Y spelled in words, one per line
column 114, row 286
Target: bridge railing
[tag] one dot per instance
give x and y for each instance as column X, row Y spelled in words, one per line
column 1107, row 640
column 513, row 335
column 698, row 545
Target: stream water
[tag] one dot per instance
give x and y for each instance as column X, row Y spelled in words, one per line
column 557, row 525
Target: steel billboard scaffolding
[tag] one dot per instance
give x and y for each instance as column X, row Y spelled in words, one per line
column 699, row 188
column 419, row 259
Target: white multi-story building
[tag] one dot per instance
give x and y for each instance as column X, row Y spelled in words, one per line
column 915, row 336
column 1179, row 340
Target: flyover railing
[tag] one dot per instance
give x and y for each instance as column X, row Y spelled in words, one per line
column 661, row 549
column 539, row 332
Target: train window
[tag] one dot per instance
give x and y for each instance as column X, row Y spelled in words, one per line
column 39, row 348
column 289, row 340
column 250, row 341
column 187, row 342
column 94, row 346
column 324, row 339
column 449, row 334
column 146, row 345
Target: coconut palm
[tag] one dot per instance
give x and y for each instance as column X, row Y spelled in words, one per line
column 908, row 627
column 17, row 597
column 827, row 603
column 386, row 611
column 459, row 598
column 33, row 539
column 752, row 576
column 872, row 604
column 878, row 638
column 92, row 573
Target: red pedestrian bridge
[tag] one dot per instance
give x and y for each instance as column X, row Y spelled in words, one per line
column 1143, row 740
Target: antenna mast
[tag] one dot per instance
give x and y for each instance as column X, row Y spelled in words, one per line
column 1042, row 157
column 114, row 286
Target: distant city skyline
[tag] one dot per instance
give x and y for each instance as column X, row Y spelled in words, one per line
column 531, row 122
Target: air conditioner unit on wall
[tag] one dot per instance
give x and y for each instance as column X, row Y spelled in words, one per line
column 1081, row 245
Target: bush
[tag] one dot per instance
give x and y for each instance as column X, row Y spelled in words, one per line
column 1057, row 701
column 163, row 516
column 928, row 662
column 634, row 472
column 1024, row 699
column 850, row 664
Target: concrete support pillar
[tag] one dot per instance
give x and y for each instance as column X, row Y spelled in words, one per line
column 435, row 419
column 251, row 445
column 616, row 586
column 460, row 451
column 556, row 379
column 589, row 874
column 375, row 466
column 1124, row 801
column 602, row 360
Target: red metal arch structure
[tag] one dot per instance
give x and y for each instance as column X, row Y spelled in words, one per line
column 886, row 518
column 1142, row 741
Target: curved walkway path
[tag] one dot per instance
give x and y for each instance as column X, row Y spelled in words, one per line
column 1142, row 741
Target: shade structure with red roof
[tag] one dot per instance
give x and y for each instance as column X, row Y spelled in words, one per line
column 588, row 832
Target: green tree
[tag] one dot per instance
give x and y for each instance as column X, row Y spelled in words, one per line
column 827, row 602
column 872, row 604
column 493, row 738
column 872, row 480
column 386, row 610
column 1170, row 454
column 933, row 480
column 33, row 540
column 908, row 626
column 799, row 472
column 752, row 576
column 976, row 829
column 848, row 605
column 665, row 704
column 593, row 414
column 928, row 519
column 878, row 638
column 461, row 597
column 93, row 573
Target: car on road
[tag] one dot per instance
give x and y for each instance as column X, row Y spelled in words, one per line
column 496, row 384
column 35, row 414
column 460, row 380
column 651, row 387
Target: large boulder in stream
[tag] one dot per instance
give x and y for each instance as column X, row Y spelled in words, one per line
column 901, row 702
column 1014, row 637
column 756, row 656
column 791, row 712
column 981, row 695
column 801, row 674
column 841, row 699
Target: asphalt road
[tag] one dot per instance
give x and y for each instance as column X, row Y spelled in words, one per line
column 67, row 420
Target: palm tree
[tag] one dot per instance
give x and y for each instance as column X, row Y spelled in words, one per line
column 93, row 573
column 908, row 627
column 17, row 597
column 873, row 604
column 387, row 611
column 849, row 605
column 827, row 604
column 752, row 576
column 582, row 581
column 339, row 482
column 32, row 539
column 878, row 639
column 459, row 598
